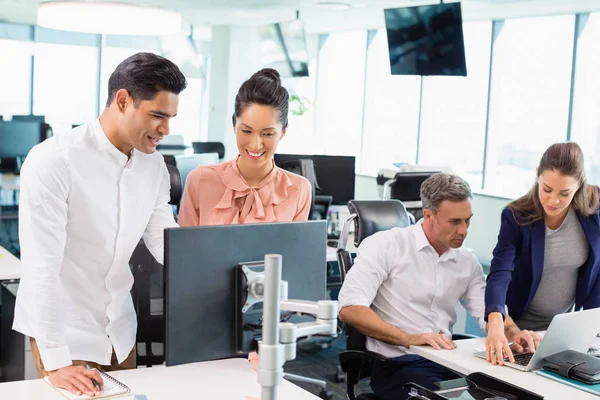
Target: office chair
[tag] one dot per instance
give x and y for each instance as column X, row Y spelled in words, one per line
column 368, row 217
column 209, row 147
column 306, row 168
column 406, row 187
column 147, row 293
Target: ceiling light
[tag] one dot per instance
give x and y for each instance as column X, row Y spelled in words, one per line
column 332, row 5
column 108, row 18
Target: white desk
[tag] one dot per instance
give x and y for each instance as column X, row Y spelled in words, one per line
column 10, row 266
column 224, row 379
column 464, row 362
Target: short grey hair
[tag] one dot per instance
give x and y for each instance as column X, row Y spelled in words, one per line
column 440, row 187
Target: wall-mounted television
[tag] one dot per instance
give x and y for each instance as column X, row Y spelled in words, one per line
column 283, row 47
column 426, row 40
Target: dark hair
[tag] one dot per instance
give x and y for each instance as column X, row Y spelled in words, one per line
column 566, row 159
column 264, row 88
column 439, row 187
column 143, row 75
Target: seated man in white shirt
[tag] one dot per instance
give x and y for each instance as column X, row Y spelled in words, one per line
column 405, row 283
column 87, row 197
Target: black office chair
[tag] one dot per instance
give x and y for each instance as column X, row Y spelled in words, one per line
column 306, row 168
column 406, row 187
column 148, row 293
column 368, row 217
column 209, row 147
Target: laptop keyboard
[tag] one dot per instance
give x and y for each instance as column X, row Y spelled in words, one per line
column 523, row 359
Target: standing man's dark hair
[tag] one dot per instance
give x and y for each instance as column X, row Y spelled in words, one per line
column 263, row 88
column 143, row 75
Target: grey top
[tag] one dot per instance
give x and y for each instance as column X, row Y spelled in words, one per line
column 566, row 250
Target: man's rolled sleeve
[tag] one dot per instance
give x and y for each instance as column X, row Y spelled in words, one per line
column 370, row 270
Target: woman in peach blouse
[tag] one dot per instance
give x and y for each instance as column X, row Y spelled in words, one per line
column 250, row 188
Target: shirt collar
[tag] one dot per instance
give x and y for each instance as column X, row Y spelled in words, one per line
column 273, row 189
column 105, row 144
column 422, row 242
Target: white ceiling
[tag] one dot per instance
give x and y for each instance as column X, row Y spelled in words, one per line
column 362, row 14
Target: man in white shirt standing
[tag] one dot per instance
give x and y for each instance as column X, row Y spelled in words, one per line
column 87, row 196
column 404, row 285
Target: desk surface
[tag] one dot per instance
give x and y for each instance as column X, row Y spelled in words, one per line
column 464, row 362
column 223, row 379
column 10, row 266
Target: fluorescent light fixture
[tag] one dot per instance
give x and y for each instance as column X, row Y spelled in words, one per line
column 332, row 5
column 108, row 18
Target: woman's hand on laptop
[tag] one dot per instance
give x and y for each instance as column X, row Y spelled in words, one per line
column 522, row 339
column 496, row 344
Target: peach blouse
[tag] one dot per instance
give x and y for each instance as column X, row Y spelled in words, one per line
column 219, row 195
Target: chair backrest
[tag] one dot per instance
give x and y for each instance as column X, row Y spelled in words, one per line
column 377, row 215
column 176, row 185
column 209, row 147
column 306, row 168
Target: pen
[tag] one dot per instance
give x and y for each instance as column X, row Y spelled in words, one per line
column 96, row 385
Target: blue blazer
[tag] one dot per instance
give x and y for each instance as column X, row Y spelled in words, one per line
column 516, row 268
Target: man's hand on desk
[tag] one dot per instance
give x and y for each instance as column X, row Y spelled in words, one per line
column 436, row 340
column 77, row 380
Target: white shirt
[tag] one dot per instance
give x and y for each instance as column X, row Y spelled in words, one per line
column 401, row 277
column 83, row 208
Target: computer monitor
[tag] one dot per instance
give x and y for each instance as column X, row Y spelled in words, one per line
column 407, row 185
column 426, row 40
column 17, row 138
column 201, row 265
column 185, row 164
column 335, row 174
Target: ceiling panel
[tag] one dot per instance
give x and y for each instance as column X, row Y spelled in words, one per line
column 362, row 14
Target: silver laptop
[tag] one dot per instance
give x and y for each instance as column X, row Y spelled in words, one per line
column 571, row 331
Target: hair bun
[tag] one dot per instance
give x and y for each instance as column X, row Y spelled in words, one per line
column 268, row 73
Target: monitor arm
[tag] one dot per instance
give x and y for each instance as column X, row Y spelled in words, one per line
column 278, row 343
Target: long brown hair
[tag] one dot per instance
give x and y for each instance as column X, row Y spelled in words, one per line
column 566, row 159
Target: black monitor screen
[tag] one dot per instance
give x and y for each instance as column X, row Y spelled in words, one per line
column 17, row 138
column 335, row 174
column 426, row 40
column 283, row 47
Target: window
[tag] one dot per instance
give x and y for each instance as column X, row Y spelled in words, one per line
column 187, row 122
column 300, row 136
column 453, row 111
column 340, row 88
column 529, row 101
column 391, row 112
column 15, row 76
column 65, row 81
column 585, row 128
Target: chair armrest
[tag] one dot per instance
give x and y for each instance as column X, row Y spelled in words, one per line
column 461, row 336
column 353, row 356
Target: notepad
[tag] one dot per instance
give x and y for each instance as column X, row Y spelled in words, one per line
column 594, row 389
column 112, row 389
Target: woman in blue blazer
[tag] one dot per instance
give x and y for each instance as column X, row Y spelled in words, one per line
column 547, row 259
